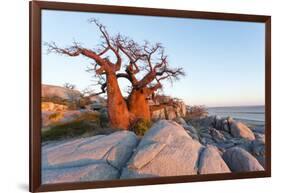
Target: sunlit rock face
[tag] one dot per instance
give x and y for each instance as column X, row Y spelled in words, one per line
column 239, row 160
column 168, row 148
column 50, row 91
column 211, row 162
column 169, row 112
column 165, row 150
column 94, row 158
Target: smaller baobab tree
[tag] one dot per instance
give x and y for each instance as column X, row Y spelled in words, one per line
column 145, row 66
column 151, row 60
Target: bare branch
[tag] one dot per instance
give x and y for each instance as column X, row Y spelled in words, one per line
column 150, row 58
column 160, row 70
column 75, row 50
column 71, row 51
column 104, row 51
column 103, row 90
column 109, row 41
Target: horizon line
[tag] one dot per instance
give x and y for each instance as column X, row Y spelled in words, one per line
column 235, row 106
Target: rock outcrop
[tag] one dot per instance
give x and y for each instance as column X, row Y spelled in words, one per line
column 50, row 91
column 224, row 132
column 188, row 128
column 87, row 159
column 217, row 135
column 50, row 118
column 97, row 103
column 258, row 130
column 169, row 112
column 238, row 129
column 258, row 148
column 50, row 106
column 165, row 150
column 211, row 162
column 239, row 160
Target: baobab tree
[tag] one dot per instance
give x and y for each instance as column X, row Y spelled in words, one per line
column 145, row 66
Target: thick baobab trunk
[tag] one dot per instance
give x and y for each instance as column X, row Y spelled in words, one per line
column 122, row 113
column 138, row 104
column 118, row 113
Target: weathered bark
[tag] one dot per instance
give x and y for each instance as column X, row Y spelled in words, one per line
column 138, row 104
column 117, row 108
column 123, row 113
column 156, row 107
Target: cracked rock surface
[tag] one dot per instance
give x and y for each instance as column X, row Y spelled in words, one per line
column 87, row 159
column 166, row 149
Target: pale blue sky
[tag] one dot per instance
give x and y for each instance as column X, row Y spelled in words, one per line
column 223, row 60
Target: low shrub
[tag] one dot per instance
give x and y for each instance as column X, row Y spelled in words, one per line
column 55, row 116
column 66, row 130
column 71, row 104
column 89, row 116
column 196, row 111
column 104, row 120
column 54, row 99
column 141, row 126
column 88, row 123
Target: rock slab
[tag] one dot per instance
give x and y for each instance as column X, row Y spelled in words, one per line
column 165, row 150
column 239, row 129
column 88, row 159
column 211, row 162
column 239, row 160
column 51, row 91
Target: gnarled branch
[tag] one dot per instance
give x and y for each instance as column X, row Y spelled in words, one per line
column 111, row 43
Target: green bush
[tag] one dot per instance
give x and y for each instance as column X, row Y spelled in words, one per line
column 55, row 116
column 87, row 122
column 141, row 127
column 67, row 130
